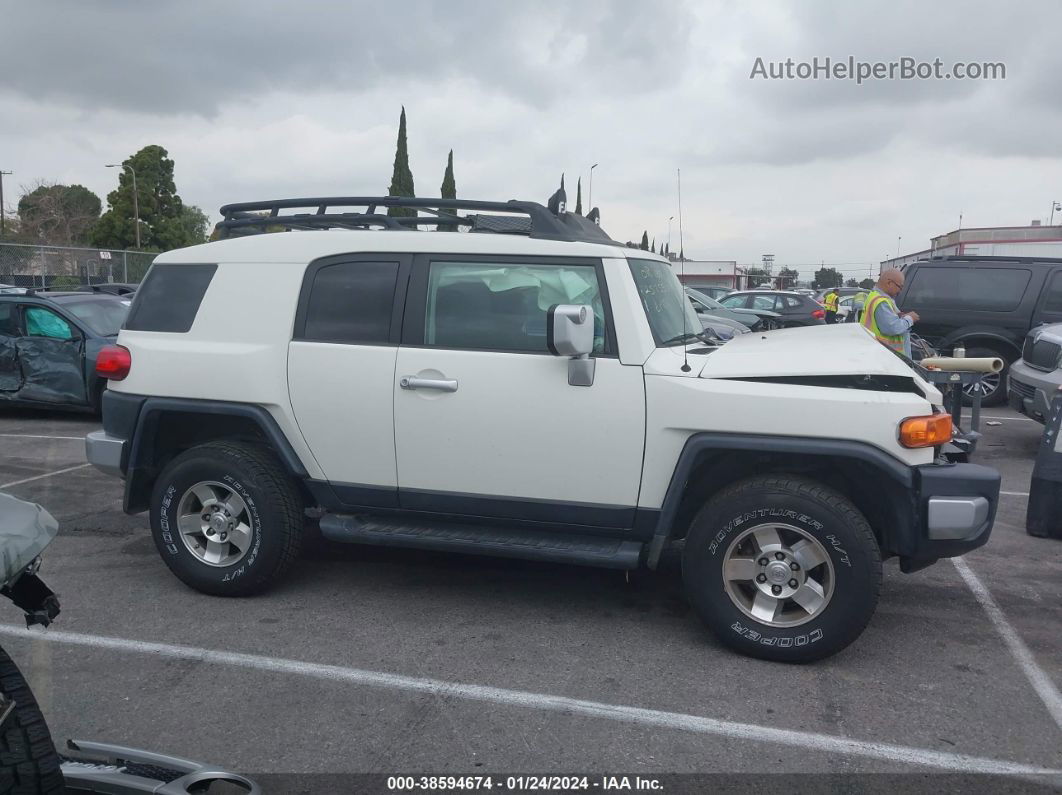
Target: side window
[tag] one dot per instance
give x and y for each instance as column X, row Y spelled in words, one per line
column 169, row 297
column 763, row 302
column 8, row 320
column 984, row 289
column 791, row 302
column 42, row 322
column 1052, row 295
column 351, row 302
column 733, row 301
column 503, row 307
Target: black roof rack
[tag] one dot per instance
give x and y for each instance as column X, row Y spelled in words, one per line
column 516, row 218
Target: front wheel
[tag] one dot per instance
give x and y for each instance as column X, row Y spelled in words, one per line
column 782, row 568
column 28, row 761
column 226, row 518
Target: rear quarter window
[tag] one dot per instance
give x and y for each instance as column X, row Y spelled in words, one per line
column 169, row 297
column 979, row 289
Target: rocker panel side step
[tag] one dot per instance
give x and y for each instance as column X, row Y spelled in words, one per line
column 502, row 542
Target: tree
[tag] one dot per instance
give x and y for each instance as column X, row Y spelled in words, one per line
column 754, row 276
column 851, row 283
column 645, row 241
column 448, row 190
column 194, row 224
column 163, row 223
column 59, row 215
column 652, row 247
column 401, row 176
column 867, row 284
column 826, row 277
column 788, row 277
column 579, row 196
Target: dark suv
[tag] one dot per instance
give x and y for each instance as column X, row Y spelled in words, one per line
column 985, row 304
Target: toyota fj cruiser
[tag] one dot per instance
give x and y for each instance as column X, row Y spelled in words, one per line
column 523, row 387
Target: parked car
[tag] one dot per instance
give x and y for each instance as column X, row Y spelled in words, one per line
column 754, row 319
column 721, row 328
column 10, row 289
column 712, row 290
column 541, row 395
column 1036, row 378
column 986, row 304
column 793, row 309
column 49, row 343
column 110, row 288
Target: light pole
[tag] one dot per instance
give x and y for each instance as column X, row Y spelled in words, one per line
column 1054, row 206
column 3, row 222
column 590, row 190
column 136, row 201
column 669, row 220
column 898, row 239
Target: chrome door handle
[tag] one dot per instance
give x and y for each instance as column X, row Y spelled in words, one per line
column 442, row 384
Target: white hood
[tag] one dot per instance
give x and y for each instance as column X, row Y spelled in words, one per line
column 842, row 349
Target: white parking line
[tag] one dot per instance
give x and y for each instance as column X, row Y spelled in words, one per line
column 40, row 436
column 1038, row 678
column 811, row 741
column 1012, row 419
column 1015, row 493
column 45, row 475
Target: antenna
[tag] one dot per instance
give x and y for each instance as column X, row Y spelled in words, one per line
column 682, row 276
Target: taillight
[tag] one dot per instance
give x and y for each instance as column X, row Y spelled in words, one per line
column 113, row 362
column 928, row 431
column 819, row 314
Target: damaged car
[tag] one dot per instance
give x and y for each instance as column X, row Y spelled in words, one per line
column 49, row 342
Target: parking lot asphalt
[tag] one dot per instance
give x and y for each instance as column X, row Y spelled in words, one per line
column 392, row 661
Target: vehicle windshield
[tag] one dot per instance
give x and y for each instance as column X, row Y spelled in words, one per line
column 103, row 317
column 671, row 315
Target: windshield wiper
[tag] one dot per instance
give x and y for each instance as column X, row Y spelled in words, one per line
column 687, row 336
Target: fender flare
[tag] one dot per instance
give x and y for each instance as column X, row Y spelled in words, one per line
column 700, row 443
column 984, row 332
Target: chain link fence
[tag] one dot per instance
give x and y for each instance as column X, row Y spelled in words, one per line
column 62, row 267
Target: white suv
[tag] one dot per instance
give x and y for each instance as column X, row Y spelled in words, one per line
column 525, row 388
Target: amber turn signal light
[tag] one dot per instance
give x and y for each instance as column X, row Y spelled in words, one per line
column 928, row 431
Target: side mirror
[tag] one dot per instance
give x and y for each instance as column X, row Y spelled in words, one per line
column 570, row 332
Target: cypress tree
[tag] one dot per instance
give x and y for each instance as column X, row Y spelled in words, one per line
column 653, row 247
column 448, row 191
column 579, row 196
column 401, row 177
column 645, row 241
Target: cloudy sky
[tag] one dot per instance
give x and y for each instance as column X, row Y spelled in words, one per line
column 255, row 99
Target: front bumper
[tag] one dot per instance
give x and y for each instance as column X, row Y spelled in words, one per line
column 1031, row 391
column 956, row 506
column 105, row 452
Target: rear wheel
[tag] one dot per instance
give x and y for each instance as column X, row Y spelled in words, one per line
column 993, row 386
column 28, row 761
column 227, row 519
column 782, row 568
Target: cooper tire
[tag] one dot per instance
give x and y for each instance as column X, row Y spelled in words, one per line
column 29, row 764
column 814, row 525
column 270, row 518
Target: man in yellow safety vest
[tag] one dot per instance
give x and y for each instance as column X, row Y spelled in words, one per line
column 886, row 322
column 831, row 301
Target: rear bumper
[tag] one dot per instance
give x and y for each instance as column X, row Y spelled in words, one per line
column 1031, row 391
column 956, row 505
column 105, row 452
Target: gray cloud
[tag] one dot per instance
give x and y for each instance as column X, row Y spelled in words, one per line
column 198, row 56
